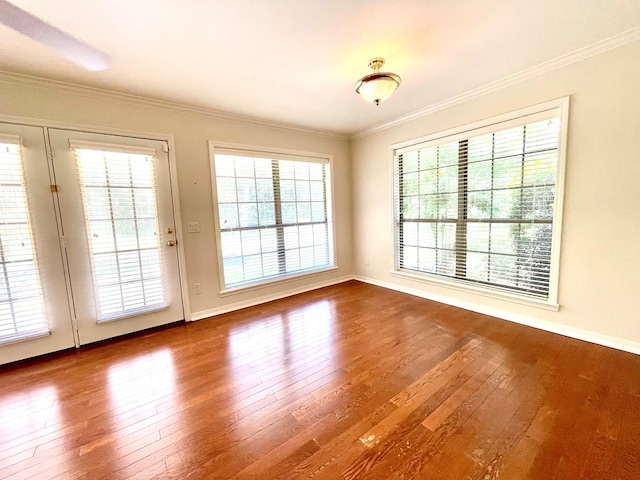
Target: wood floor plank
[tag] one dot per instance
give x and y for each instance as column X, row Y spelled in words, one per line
column 348, row 382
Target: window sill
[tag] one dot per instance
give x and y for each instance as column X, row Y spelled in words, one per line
column 23, row 337
column 225, row 292
column 482, row 291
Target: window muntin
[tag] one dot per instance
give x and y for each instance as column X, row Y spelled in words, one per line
column 273, row 214
column 478, row 208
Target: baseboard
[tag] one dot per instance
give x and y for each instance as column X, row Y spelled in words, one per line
column 577, row 333
column 212, row 312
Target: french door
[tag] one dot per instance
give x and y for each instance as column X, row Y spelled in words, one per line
column 99, row 211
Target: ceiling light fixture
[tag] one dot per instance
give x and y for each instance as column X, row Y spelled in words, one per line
column 377, row 86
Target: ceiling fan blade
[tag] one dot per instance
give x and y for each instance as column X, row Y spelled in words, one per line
column 62, row 43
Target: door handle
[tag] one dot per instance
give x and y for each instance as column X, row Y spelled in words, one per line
column 171, row 243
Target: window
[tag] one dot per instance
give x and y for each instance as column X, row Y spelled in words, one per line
column 480, row 206
column 273, row 214
column 22, row 312
column 118, row 190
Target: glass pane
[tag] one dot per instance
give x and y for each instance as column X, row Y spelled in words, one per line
column 428, row 207
column 226, row 190
column 289, row 213
column 479, row 175
column 410, row 257
column 409, row 162
column 411, row 207
column 286, row 169
column 267, row 213
column 448, row 179
column 317, row 212
column 448, row 154
column 224, row 166
column 410, row 234
column 509, row 142
column 246, row 189
column 304, row 212
column 248, row 214
column 503, row 203
column 478, row 266
column 264, row 190
column 269, row 240
column 507, row 172
column 287, row 191
column 250, row 242
column 244, row 167
column 429, row 181
column 291, row 239
column 228, row 215
column 292, row 260
column 230, row 244
column 479, row 205
column 428, row 158
column 264, row 168
column 478, row 237
column 411, row 183
column 303, row 191
column 427, row 234
column 542, row 135
column 427, row 260
column 448, row 205
column 320, row 235
column 301, row 170
column 317, row 191
column 233, row 270
column 480, row 148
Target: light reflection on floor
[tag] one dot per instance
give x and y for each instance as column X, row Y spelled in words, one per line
column 27, row 412
column 143, row 386
column 278, row 350
column 285, row 334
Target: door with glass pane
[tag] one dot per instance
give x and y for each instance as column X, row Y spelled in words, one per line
column 119, row 232
column 34, row 308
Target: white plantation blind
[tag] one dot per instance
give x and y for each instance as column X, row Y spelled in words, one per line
column 479, row 208
column 274, row 216
column 119, row 200
column 22, row 313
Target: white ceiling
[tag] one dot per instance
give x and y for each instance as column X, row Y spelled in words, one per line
column 295, row 61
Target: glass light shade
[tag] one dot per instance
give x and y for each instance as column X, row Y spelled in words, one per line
column 377, row 87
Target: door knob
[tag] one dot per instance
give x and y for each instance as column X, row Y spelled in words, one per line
column 171, row 243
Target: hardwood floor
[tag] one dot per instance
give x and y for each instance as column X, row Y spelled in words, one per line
column 347, row 382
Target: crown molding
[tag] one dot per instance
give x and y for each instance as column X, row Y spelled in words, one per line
column 104, row 94
column 576, row 56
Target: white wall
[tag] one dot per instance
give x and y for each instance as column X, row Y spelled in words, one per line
column 191, row 131
column 600, row 256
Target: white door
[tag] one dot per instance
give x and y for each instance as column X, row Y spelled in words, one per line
column 34, row 308
column 118, row 229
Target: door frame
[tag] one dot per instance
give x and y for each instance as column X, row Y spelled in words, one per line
column 175, row 198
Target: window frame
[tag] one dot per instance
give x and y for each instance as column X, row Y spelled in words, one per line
column 272, row 153
column 555, row 108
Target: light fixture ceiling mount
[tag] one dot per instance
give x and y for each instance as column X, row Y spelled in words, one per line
column 377, row 86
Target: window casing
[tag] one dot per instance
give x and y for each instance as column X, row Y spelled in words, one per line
column 479, row 207
column 273, row 214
